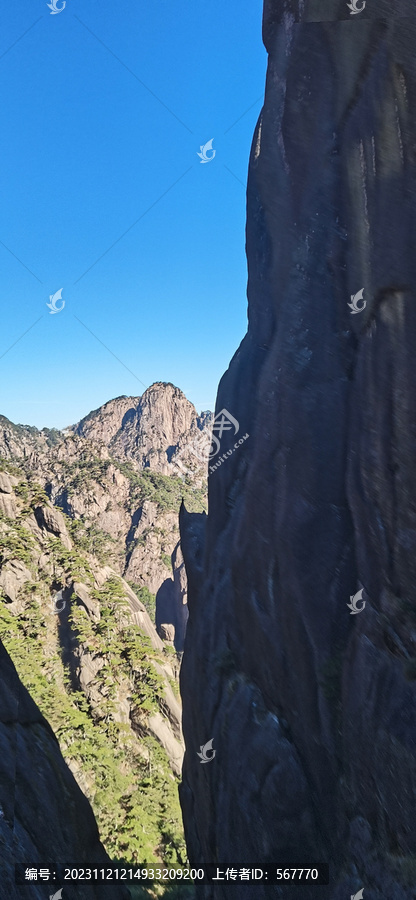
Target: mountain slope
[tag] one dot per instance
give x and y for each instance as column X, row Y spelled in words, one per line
column 115, row 475
column 149, row 430
column 44, row 816
column 86, row 650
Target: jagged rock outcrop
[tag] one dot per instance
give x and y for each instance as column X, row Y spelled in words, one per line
column 148, row 430
column 312, row 709
column 27, row 556
column 44, row 816
column 172, row 602
column 96, row 473
column 102, row 424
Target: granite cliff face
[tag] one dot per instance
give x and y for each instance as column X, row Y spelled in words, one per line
column 312, row 709
column 149, row 430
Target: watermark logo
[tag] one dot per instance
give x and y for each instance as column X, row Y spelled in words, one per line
column 204, row 748
column 54, row 7
column 354, row 305
column 54, row 297
column 57, row 896
column 353, row 7
column 207, row 444
column 223, row 421
column 204, row 148
column 353, row 605
column 358, row 896
column 58, row 598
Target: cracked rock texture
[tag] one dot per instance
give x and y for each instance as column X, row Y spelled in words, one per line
column 312, row 710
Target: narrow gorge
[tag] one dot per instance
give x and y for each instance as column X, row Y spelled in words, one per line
column 149, row 607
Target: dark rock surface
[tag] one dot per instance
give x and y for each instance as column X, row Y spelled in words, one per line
column 172, row 602
column 44, row 816
column 313, row 710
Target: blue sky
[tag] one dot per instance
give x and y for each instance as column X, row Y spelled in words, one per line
column 104, row 196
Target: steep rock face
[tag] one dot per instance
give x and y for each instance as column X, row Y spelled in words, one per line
column 164, row 420
column 313, row 710
column 96, row 473
column 24, row 441
column 148, row 430
column 102, row 424
column 44, row 817
column 172, row 602
column 35, row 546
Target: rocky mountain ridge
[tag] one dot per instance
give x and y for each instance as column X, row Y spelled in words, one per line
column 115, row 472
column 149, row 430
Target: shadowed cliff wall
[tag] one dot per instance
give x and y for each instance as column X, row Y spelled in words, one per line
column 44, row 816
column 312, row 709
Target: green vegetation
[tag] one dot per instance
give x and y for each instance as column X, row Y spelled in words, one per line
column 53, row 436
column 32, row 495
column 125, row 772
column 146, row 597
column 91, row 539
column 5, row 465
column 131, row 788
column 69, row 564
column 84, row 471
column 16, row 542
column 166, row 491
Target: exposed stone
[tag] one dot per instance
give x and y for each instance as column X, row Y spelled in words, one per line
column 8, row 505
column 45, row 816
column 104, row 423
column 312, row 711
column 51, row 519
column 7, row 482
column 91, row 605
column 167, row 633
column 158, row 726
column 13, row 576
column 172, row 601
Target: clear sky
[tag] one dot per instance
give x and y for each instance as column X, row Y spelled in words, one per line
column 104, row 108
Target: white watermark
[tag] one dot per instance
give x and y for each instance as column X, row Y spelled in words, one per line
column 222, row 459
column 207, row 444
column 55, row 600
column 204, row 148
column 353, row 7
column 354, row 305
column 52, row 6
column 54, row 297
column 356, row 598
column 204, row 748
